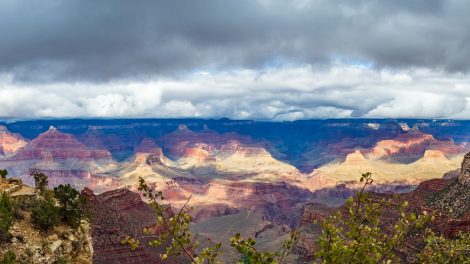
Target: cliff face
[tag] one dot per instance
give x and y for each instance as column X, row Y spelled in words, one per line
column 454, row 199
column 117, row 214
column 464, row 177
column 10, row 142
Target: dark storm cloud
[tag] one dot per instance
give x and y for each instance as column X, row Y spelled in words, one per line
column 249, row 59
column 84, row 40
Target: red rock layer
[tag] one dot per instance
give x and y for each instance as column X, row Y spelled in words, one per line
column 55, row 145
column 117, row 214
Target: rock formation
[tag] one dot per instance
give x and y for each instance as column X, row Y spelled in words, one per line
column 411, row 146
column 10, row 143
column 55, row 145
column 32, row 246
column 464, row 177
column 117, row 214
column 61, row 156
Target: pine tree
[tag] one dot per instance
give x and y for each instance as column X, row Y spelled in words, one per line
column 71, row 203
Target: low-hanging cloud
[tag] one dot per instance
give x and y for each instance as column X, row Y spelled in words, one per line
column 301, row 92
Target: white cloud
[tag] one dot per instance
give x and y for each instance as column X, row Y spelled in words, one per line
column 288, row 93
column 179, row 109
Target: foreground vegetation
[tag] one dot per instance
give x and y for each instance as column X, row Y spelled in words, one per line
column 46, row 209
column 354, row 237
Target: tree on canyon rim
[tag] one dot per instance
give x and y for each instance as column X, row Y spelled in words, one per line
column 40, row 180
column 3, row 173
column 72, row 204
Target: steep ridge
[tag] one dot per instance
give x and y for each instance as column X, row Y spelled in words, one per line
column 10, row 143
column 117, row 214
column 55, row 145
column 464, row 176
column 61, row 156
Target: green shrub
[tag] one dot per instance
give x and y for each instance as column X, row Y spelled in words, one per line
column 443, row 250
column 8, row 258
column 3, row 174
column 24, row 202
column 61, row 260
column 6, row 217
column 45, row 214
column 71, row 204
column 357, row 236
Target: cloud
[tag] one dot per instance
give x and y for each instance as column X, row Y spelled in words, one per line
column 119, row 99
column 247, row 59
column 287, row 93
column 103, row 40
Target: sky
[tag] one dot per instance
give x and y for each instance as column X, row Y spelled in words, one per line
column 244, row 59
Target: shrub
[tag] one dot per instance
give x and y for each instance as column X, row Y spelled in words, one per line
column 40, row 180
column 357, row 236
column 443, row 250
column 45, row 214
column 250, row 254
column 61, row 260
column 3, row 173
column 71, row 204
column 175, row 237
column 8, row 258
column 6, row 217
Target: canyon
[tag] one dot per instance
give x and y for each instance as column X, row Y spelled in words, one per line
column 262, row 177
